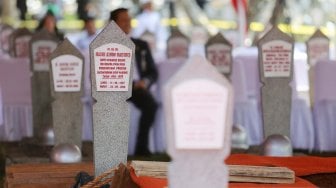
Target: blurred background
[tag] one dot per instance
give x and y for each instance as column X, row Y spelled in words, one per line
column 241, row 21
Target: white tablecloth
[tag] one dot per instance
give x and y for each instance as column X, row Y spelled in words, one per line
column 246, row 109
column 324, row 110
column 16, row 95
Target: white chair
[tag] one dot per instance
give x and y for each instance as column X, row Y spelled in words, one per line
column 324, row 109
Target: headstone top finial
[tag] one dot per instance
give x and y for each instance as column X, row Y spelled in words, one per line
column 274, row 34
column 105, row 36
column 177, row 33
column 218, row 38
column 66, row 47
column 318, row 34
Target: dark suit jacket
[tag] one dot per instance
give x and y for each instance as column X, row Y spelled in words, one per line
column 144, row 63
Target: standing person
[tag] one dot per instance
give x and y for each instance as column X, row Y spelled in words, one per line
column 82, row 9
column 145, row 74
column 22, row 6
column 49, row 23
column 150, row 20
column 88, row 34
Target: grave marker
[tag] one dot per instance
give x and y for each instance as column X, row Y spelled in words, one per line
column 41, row 46
column 218, row 51
column 66, row 64
column 199, row 121
column 111, row 54
column 276, row 71
column 177, row 45
column 5, row 32
column 150, row 39
column 317, row 49
column 20, row 42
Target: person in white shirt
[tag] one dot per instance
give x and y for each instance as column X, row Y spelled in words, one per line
column 86, row 37
column 149, row 20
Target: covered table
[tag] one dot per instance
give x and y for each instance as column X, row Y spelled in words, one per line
column 303, row 166
column 16, row 99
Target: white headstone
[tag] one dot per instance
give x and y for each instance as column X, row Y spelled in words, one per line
column 199, row 107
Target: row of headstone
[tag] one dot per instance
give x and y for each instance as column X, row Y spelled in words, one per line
column 207, row 113
column 276, row 68
column 199, row 121
column 201, row 137
column 57, row 94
